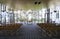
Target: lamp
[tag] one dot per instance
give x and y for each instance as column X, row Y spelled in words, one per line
column 35, row 2
column 39, row 2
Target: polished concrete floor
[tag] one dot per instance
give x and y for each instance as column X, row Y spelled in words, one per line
column 27, row 31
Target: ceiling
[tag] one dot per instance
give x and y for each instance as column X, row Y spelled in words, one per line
column 25, row 4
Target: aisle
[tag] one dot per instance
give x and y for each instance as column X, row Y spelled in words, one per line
column 30, row 31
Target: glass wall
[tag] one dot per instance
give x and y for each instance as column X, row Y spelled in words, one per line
column 28, row 16
column 21, row 16
column 55, row 14
column 6, row 17
column 34, row 16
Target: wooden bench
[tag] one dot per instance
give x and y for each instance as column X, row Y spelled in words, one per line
column 10, row 26
column 9, row 29
column 50, row 28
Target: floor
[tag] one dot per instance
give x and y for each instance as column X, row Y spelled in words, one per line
column 28, row 31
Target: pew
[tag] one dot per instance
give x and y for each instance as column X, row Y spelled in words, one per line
column 10, row 26
column 9, row 29
column 51, row 29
